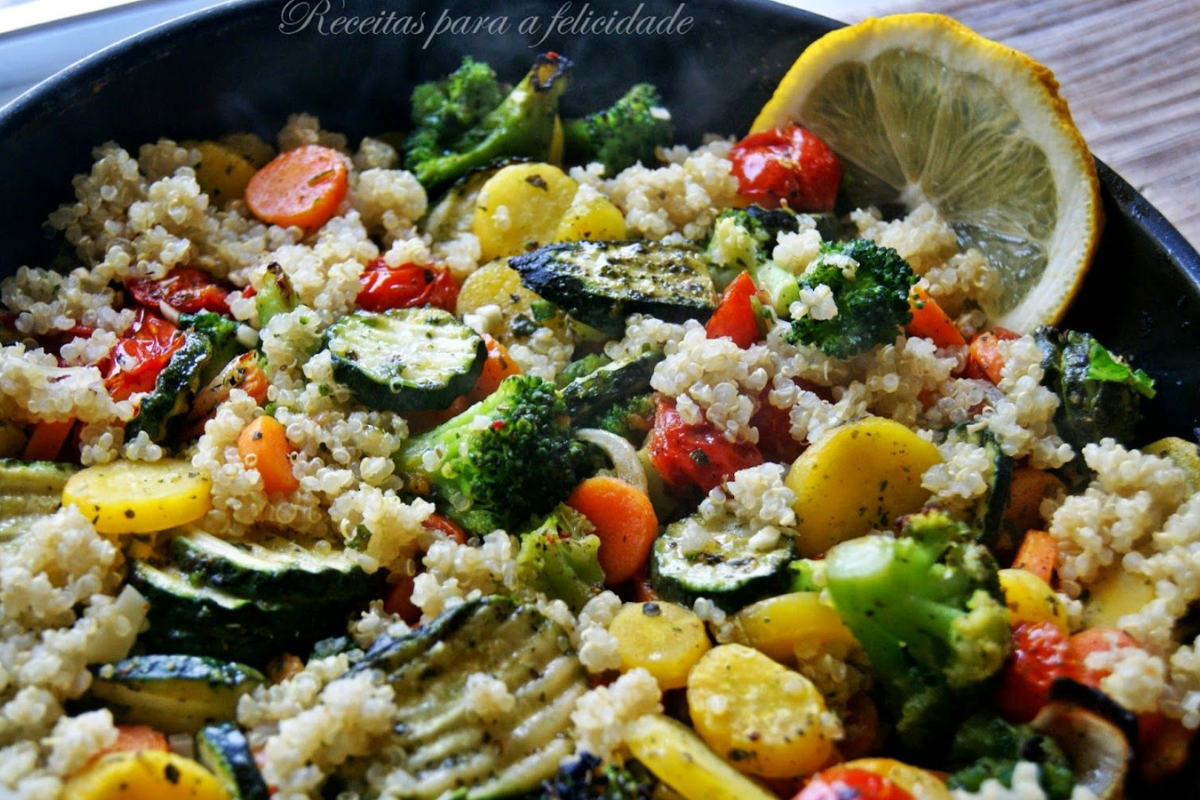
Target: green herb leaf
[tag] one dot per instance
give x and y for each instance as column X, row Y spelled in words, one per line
column 360, row 539
column 1103, row 367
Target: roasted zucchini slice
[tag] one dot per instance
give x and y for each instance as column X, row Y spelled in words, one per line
column 442, row 740
column 720, row 560
column 601, row 283
column 173, row 693
column 405, row 359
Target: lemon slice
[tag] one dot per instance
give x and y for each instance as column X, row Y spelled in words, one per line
column 922, row 109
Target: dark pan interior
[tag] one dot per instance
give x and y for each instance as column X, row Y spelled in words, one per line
column 247, row 65
column 233, row 68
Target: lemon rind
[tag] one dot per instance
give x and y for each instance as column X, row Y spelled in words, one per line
column 1030, row 89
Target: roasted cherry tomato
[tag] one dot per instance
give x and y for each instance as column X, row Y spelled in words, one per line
column 135, row 361
column 774, row 426
column 398, row 598
column 1094, row 640
column 695, row 457
column 446, row 526
column 1101, row 640
column 405, row 286
column 983, row 359
column 1039, row 657
column 186, row 289
column 787, row 165
column 735, row 316
column 848, row 783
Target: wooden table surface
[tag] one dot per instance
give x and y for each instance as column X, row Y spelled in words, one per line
column 1129, row 69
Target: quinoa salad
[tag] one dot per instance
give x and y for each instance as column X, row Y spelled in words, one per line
column 526, row 456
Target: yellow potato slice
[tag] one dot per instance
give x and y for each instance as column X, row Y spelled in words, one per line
column 1030, row 599
column 762, row 717
column 222, row 172
column 860, row 477
column 776, row 625
column 140, row 496
column 681, row 759
column 250, row 147
column 144, row 774
column 498, row 284
column 665, row 639
column 590, row 216
column 520, row 207
column 921, row 784
column 1115, row 593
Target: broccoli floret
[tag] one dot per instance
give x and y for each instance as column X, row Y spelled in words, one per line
column 276, row 296
column 869, row 285
column 1099, row 394
column 582, row 778
column 559, row 558
column 742, row 240
column 444, row 110
column 988, row 747
column 808, row 575
column 623, row 134
column 221, row 333
column 505, row 459
column 441, row 149
column 927, row 608
column 631, row 418
column 580, row 367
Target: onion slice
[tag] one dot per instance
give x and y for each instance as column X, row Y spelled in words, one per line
column 1100, row 753
column 626, row 464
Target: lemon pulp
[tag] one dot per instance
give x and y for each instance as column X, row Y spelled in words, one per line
column 921, row 109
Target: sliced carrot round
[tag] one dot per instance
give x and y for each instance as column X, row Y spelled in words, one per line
column 624, row 520
column 300, row 187
column 498, row 366
column 264, row 446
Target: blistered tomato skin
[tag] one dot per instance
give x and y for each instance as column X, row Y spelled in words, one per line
column 694, row 458
column 787, row 166
column 847, row 783
column 405, row 286
column 1039, row 656
column 186, row 289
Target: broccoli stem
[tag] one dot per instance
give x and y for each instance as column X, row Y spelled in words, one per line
column 780, row 285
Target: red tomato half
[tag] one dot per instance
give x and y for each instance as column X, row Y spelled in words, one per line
column 691, row 457
column 787, row 165
column 186, row 289
column 1039, row 657
column 848, row 783
column 735, row 317
column 135, row 361
column 405, row 286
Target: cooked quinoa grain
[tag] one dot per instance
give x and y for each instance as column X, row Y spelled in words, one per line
column 405, row 530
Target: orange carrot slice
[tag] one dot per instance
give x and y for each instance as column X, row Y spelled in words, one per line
column 929, row 321
column 47, row 440
column 1030, row 487
column 498, row 366
column 264, row 446
column 300, row 187
column 135, row 738
column 625, row 522
column 1038, row 554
